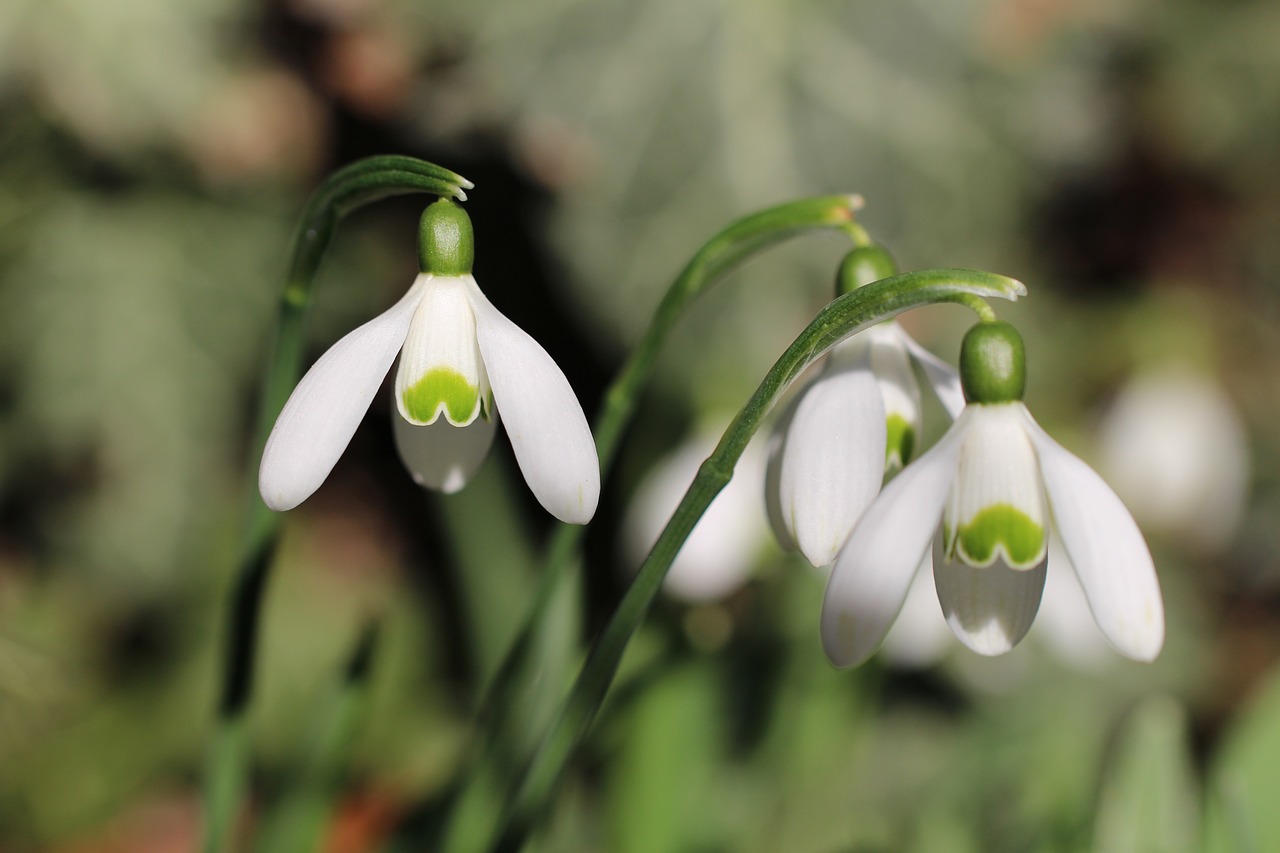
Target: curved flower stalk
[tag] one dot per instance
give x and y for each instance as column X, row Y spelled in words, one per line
column 462, row 364
column 995, row 482
column 856, row 422
column 845, row 316
column 716, row 559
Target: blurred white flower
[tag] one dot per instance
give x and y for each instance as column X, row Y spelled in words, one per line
column 719, row 554
column 859, row 419
column 993, row 481
column 1176, row 452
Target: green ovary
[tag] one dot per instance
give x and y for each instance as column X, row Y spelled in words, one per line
column 900, row 441
column 1005, row 527
column 441, row 388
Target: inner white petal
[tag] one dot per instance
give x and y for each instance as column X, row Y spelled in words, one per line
column 441, row 371
column 996, row 509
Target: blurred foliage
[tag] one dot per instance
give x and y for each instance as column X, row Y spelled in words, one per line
column 1118, row 157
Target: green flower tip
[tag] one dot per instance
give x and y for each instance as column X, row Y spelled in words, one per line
column 864, row 265
column 446, row 245
column 993, row 363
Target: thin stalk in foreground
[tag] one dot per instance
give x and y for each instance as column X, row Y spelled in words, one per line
column 346, row 190
column 534, row 693
column 845, row 316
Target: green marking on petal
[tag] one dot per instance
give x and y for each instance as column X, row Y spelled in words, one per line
column 442, row 389
column 1000, row 527
column 900, row 442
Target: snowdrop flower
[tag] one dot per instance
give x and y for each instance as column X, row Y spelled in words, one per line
column 856, row 421
column 717, row 558
column 462, row 365
column 1176, row 451
column 994, row 483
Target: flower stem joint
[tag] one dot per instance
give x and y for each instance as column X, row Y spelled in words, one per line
column 864, row 265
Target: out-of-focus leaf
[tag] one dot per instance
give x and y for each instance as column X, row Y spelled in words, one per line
column 659, row 783
column 132, row 322
column 1149, row 798
column 1241, row 808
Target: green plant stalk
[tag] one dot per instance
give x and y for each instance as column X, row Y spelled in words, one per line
column 845, row 316
column 500, row 727
column 343, row 192
column 717, row 257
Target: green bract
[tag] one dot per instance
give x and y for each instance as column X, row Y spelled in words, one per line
column 993, row 363
column 446, row 245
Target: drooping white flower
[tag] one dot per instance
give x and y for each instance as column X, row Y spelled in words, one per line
column 994, row 484
column 858, row 420
column 718, row 556
column 462, row 366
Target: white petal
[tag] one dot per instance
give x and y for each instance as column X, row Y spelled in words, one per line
column 442, row 456
column 996, row 512
column 899, row 390
column 773, row 476
column 1107, row 549
column 991, row 608
column 874, row 569
column 325, row 408
column 831, row 462
column 943, row 378
column 440, row 369
column 543, row 418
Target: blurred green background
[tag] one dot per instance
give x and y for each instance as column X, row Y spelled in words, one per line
column 1118, row 157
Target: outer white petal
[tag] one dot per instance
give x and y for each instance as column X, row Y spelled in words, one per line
column 875, row 568
column 325, row 408
column 1104, row 544
column 442, row 456
column 543, row 418
column 773, row 475
column 942, row 377
column 831, row 461
column 990, row 609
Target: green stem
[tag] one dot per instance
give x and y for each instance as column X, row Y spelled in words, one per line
column 346, row 190
column 719, row 256
column 845, row 316
column 509, row 717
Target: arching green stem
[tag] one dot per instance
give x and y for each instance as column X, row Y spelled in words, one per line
column 346, row 190
column 518, row 702
column 846, row 315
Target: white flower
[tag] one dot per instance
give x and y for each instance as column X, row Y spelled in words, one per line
column 1174, row 447
column 856, row 421
column 995, row 482
column 462, row 364
column 718, row 556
